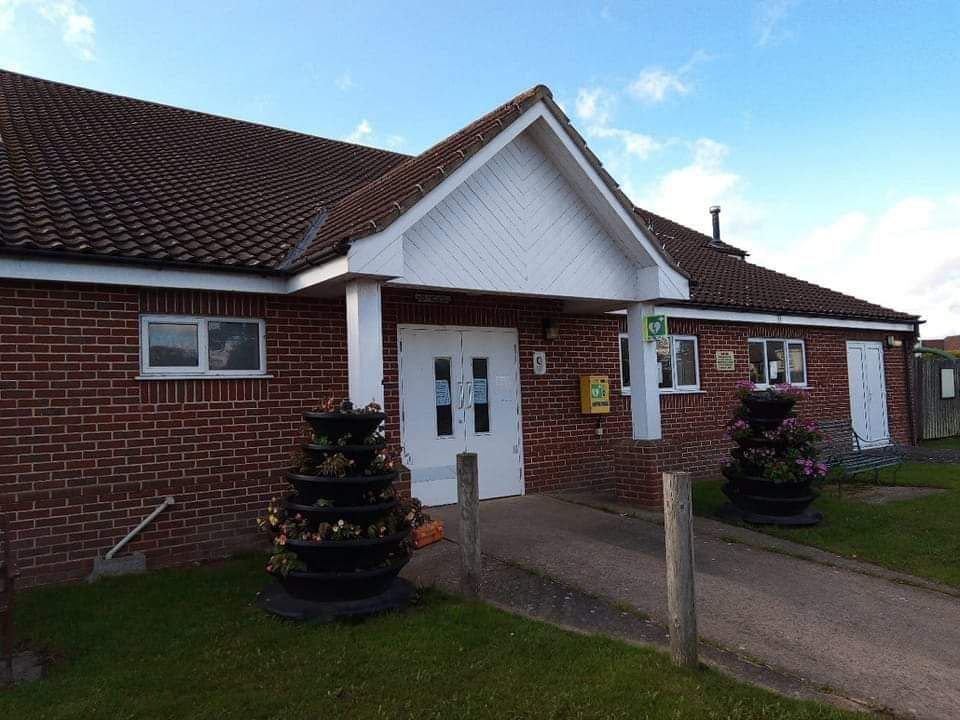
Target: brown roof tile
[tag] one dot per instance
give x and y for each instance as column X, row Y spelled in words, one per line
column 88, row 172
column 84, row 172
column 721, row 279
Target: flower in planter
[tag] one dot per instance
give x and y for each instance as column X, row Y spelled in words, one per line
column 337, row 465
column 284, row 562
column 738, row 429
column 384, row 462
column 745, row 388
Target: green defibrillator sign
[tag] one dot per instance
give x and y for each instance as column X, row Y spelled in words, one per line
column 654, row 326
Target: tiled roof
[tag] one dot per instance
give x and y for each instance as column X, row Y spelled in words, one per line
column 88, row 173
column 721, row 279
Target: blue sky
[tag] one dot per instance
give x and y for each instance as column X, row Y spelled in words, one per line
column 828, row 132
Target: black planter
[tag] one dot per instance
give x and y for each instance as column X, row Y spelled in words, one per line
column 331, row 586
column 767, row 408
column 336, row 425
column 349, row 491
column 342, row 578
column 363, row 515
column 777, row 503
column 347, row 555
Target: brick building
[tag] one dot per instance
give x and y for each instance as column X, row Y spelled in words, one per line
column 176, row 288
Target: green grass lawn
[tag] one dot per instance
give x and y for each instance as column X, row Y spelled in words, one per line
column 949, row 443
column 190, row 644
column 920, row 536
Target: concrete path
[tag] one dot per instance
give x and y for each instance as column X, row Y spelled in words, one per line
column 845, row 625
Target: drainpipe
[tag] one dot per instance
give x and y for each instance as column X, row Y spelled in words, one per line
column 136, row 531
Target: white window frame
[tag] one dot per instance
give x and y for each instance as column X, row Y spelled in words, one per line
column 676, row 389
column 766, row 362
column 148, row 372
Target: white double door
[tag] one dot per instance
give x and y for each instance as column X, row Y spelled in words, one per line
column 868, row 392
column 459, row 392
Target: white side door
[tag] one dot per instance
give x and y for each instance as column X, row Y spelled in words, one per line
column 432, row 433
column 492, row 410
column 868, row 392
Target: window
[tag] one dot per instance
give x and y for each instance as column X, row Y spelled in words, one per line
column 678, row 367
column 774, row 361
column 187, row 345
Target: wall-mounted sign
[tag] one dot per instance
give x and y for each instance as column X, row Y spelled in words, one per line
column 654, row 326
column 726, row 362
column 594, row 394
column 948, row 383
column 432, row 299
column 539, row 363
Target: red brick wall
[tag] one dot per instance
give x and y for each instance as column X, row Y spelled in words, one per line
column 693, row 424
column 88, row 451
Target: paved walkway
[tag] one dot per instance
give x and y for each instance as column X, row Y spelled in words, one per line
column 833, row 622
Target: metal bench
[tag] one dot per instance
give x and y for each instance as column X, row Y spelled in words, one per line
column 8, row 577
column 843, row 448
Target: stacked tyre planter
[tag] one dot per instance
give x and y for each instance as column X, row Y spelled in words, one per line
column 753, row 497
column 351, row 577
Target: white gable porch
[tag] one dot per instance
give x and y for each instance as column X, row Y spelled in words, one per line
column 528, row 215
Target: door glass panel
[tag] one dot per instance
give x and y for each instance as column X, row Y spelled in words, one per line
column 776, row 362
column 442, row 396
column 173, row 345
column 481, row 397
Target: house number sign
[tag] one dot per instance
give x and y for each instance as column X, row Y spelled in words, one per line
column 725, row 361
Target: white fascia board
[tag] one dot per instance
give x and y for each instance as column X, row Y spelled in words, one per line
column 662, row 281
column 773, row 319
column 113, row 273
column 674, row 283
column 330, row 270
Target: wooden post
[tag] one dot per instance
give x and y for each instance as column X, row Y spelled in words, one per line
column 681, row 601
column 468, row 498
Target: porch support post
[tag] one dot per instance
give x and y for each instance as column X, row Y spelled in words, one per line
column 364, row 342
column 644, row 383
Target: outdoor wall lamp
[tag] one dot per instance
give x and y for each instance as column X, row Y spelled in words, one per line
column 894, row 342
column 551, row 328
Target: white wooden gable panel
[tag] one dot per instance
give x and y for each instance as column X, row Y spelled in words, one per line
column 517, row 224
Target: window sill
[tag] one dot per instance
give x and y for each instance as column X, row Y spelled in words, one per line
column 692, row 391
column 206, row 376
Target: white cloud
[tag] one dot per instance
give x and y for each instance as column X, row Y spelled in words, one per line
column 769, row 20
column 361, row 134
column 906, row 257
column 344, row 81
column 77, row 28
column 594, row 105
column 364, row 134
column 633, row 143
column 655, row 84
column 686, row 193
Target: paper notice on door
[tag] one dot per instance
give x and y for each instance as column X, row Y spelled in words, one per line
column 501, row 387
column 442, row 392
column 480, row 391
